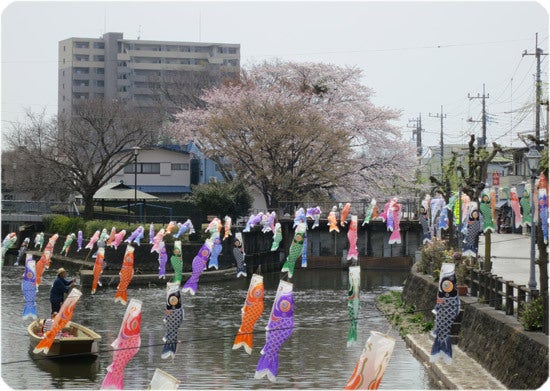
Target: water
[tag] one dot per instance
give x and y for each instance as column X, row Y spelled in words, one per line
column 315, row 356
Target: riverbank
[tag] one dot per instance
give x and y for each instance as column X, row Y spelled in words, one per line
column 517, row 358
column 463, row 373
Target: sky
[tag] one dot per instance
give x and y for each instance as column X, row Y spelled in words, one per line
column 421, row 58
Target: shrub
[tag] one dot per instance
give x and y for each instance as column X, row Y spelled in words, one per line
column 64, row 225
column 531, row 317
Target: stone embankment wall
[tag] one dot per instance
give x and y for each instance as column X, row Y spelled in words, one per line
column 517, row 358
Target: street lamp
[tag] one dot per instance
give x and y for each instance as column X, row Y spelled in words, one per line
column 533, row 158
column 136, row 153
column 14, row 165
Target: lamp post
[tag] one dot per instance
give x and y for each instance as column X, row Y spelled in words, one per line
column 136, row 153
column 14, row 165
column 533, row 158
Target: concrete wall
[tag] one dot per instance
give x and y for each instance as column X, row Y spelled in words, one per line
column 517, row 358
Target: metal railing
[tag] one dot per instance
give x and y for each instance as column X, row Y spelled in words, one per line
column 501, row 294
column 36, row 207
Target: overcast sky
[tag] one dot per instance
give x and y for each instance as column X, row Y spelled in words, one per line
column 416, row 56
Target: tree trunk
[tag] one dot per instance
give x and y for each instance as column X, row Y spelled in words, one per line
column 88, row 206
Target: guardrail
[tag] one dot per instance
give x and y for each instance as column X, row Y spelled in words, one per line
column 499, row 293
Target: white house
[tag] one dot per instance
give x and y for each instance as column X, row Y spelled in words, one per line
column 164, row 171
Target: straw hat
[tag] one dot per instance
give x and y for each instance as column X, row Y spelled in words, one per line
column 60, row 270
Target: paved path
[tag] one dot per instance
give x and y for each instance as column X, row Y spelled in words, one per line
column 463, row 373
column 511, row 256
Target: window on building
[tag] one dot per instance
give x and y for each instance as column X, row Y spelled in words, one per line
column 99, row 57
column 180, row 166
column 99, row 45
column 82, row 45
column 100, row 83
column 100, row 71
column 232, row 50
column 143, row 168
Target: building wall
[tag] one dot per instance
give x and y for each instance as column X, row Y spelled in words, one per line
column 113, row 67
column 167, row 176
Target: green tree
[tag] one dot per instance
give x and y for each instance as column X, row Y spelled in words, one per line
column 222, row 198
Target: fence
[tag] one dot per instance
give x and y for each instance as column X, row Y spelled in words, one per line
column 499, row 293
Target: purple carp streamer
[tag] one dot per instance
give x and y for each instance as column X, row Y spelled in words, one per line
column 279, row 329
column 295, row 249
column 197, row 266
column 304, row 251
column 28, row 286
column 372, row 363
column 353, row 302
column 163, row 259
column 172, row 319
column 447, row 307
column 314, row 214
column 543, row 205
column 126, row 345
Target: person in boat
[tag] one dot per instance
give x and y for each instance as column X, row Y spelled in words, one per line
column 59, row 287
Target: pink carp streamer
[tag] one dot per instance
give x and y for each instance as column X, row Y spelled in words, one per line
column 278, row 330
column 353, row 255
column 61, row 319
column 126, row 345
column 372, row 363
column 514, row 203
column 250, row 313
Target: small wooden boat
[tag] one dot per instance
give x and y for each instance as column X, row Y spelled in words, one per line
column 74, row 340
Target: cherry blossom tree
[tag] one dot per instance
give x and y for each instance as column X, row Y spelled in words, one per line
column 293, row 130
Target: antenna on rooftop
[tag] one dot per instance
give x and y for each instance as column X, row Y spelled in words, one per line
column 139, row 32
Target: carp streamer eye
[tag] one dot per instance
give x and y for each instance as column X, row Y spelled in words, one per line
column 446, row 286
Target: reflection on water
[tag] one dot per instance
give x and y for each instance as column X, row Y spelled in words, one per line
column 315, row 356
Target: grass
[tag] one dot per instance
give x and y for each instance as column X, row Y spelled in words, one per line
column 401, row 315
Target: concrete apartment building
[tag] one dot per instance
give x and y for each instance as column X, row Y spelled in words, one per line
column 112, row 67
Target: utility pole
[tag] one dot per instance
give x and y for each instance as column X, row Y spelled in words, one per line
column 442, row 116
column 417, row 134
column 483, row 121
column 537, row 54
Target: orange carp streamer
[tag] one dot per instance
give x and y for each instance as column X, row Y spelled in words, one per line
column 61, row 319
column 251, row 312
column 126, row 273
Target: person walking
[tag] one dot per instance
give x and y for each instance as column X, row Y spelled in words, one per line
column 59, row 287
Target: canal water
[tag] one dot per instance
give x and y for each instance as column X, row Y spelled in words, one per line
column 314, row 357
